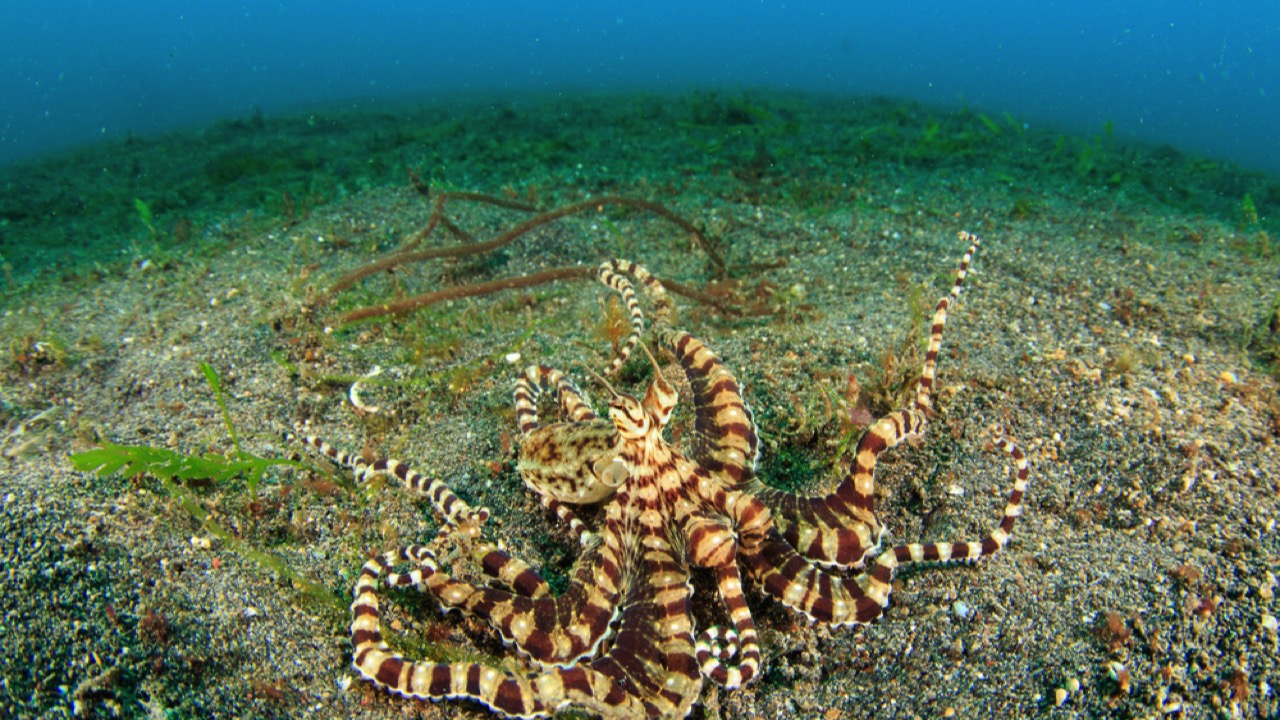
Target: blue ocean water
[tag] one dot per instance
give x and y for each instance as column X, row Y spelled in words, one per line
column 1202, row 76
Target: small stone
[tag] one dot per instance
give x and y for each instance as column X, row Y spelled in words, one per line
column 1266, row 589
column 962, row 610
column 1269, row 622
column 1073, row 685
column 1059, row 697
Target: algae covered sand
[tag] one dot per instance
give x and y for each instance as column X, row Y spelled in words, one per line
column 1120, row 321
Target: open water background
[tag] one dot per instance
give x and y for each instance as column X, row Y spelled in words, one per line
column 1198, row 75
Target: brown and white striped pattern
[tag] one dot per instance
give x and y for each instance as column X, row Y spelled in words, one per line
column 724, row 432
column 724, row 437
column 716, row 648
column 662, row 307
column 512, row 694
column 971, row 551
column 552, row 630
column 614, row 277
column 840, row 530
column 619, row 642
column 924, row 392
column 448, row 504
column 533, row 382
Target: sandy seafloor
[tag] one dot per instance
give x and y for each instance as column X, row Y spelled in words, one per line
column 1107, row 327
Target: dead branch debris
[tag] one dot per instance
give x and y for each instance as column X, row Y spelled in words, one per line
column 409, row 252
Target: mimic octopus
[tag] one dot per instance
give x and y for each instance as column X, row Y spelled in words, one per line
column 620, row 641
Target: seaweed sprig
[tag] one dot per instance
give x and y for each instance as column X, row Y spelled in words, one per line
column 165, row 464
column 168, row 465
column 171, row 466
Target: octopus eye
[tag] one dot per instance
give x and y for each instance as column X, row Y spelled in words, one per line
column 613, row 473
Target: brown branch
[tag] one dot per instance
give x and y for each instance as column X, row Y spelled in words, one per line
column 457, row 232
column 417, row 302
column 408, row 305
column 406, row 254
column 663, row 212
column 701, row 297
column 437, row 215
column 437, row 212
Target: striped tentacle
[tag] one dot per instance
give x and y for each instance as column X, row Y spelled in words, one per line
column 612, row 274
column 877, row 581
column 552, row 630
column 716, row 648
column 828, row 598
column 972, row 551
column 724, row 431
column 495, row 562
column 840, row 529
column 421, row 558
column 454, row 510
column 580, row 532
column 924, row 389
column 653, row 652
column 657, row 294
column 732, row 515
column 536, row 380
column 712, row 542
column 724, row 437
column 511, row 571
column 512, row 694
column 811, row 591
